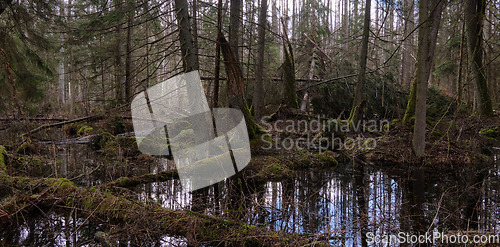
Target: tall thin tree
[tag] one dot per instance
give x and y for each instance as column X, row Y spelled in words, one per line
column 259, row 75
column 429, row 18
column 357, row 110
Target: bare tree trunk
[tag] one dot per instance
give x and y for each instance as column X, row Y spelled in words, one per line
column 215, row 99
column 119, row 73
column 356, row 110
column 195, row 30
column 274, row 17
column 71, row 70
column 307, row 94
column 234, row 26
column 61, row 69
column 432, row 20
column 474, row 15
column 489, row 31
column 408, row 64
column 186, row 38
column 259, row 75
column 460, row 66
column 235, row 88
column 345, row 25
column 422, row 75
column 429, row 18
column 128, row 56
column 289, row 72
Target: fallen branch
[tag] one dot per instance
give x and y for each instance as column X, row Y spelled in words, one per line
column 7, row 119
column 128, row 182
column 47, row 126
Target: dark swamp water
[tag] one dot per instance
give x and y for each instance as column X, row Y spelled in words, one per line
column 341, row 206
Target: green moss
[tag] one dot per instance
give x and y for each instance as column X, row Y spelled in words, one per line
column 71, row 129
column 326, row 158
column 62, row 183
column 23, row 162
column 274, row 168
column 84, row 130
column 128, row 146
column 492, row 134
column 305, row 160
column 105, row 141
column 117, row 125
column 87, row 203
column 26, row 148
column 3, row 155
column 122, row 180
column 301, row 160
column 437, row 133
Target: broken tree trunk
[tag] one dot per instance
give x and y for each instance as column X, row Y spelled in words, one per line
column 235, row 87
column 289, row 72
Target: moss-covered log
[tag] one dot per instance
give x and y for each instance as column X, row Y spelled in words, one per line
column 51, row 192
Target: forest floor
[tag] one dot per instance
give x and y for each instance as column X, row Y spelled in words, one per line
column 461, row 142
column 450, row 143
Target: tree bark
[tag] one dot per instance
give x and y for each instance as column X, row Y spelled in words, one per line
column 474, row 15
column 128, row 56
column 431, row 21
column 422, row 75
column 259, row 75
column 345, row 25
column 215, row 99
column 195, row 30
column 235, row 88
column 119, row 67
column 357, row 111
column 429, row 18
column 407, row 63
column 289, row 72
column 234, row 27
column 460, row 66
column 186, row 38
column 62, row 66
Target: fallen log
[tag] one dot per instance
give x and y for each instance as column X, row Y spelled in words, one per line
column 98, row 202
column 7, row 119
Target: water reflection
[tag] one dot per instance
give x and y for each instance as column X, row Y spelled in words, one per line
column 49, row 230
column 87, row 167
column 62, row 230
column 345, row 204
column 339, row 206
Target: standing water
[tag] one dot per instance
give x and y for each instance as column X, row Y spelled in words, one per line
column 346, row 206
